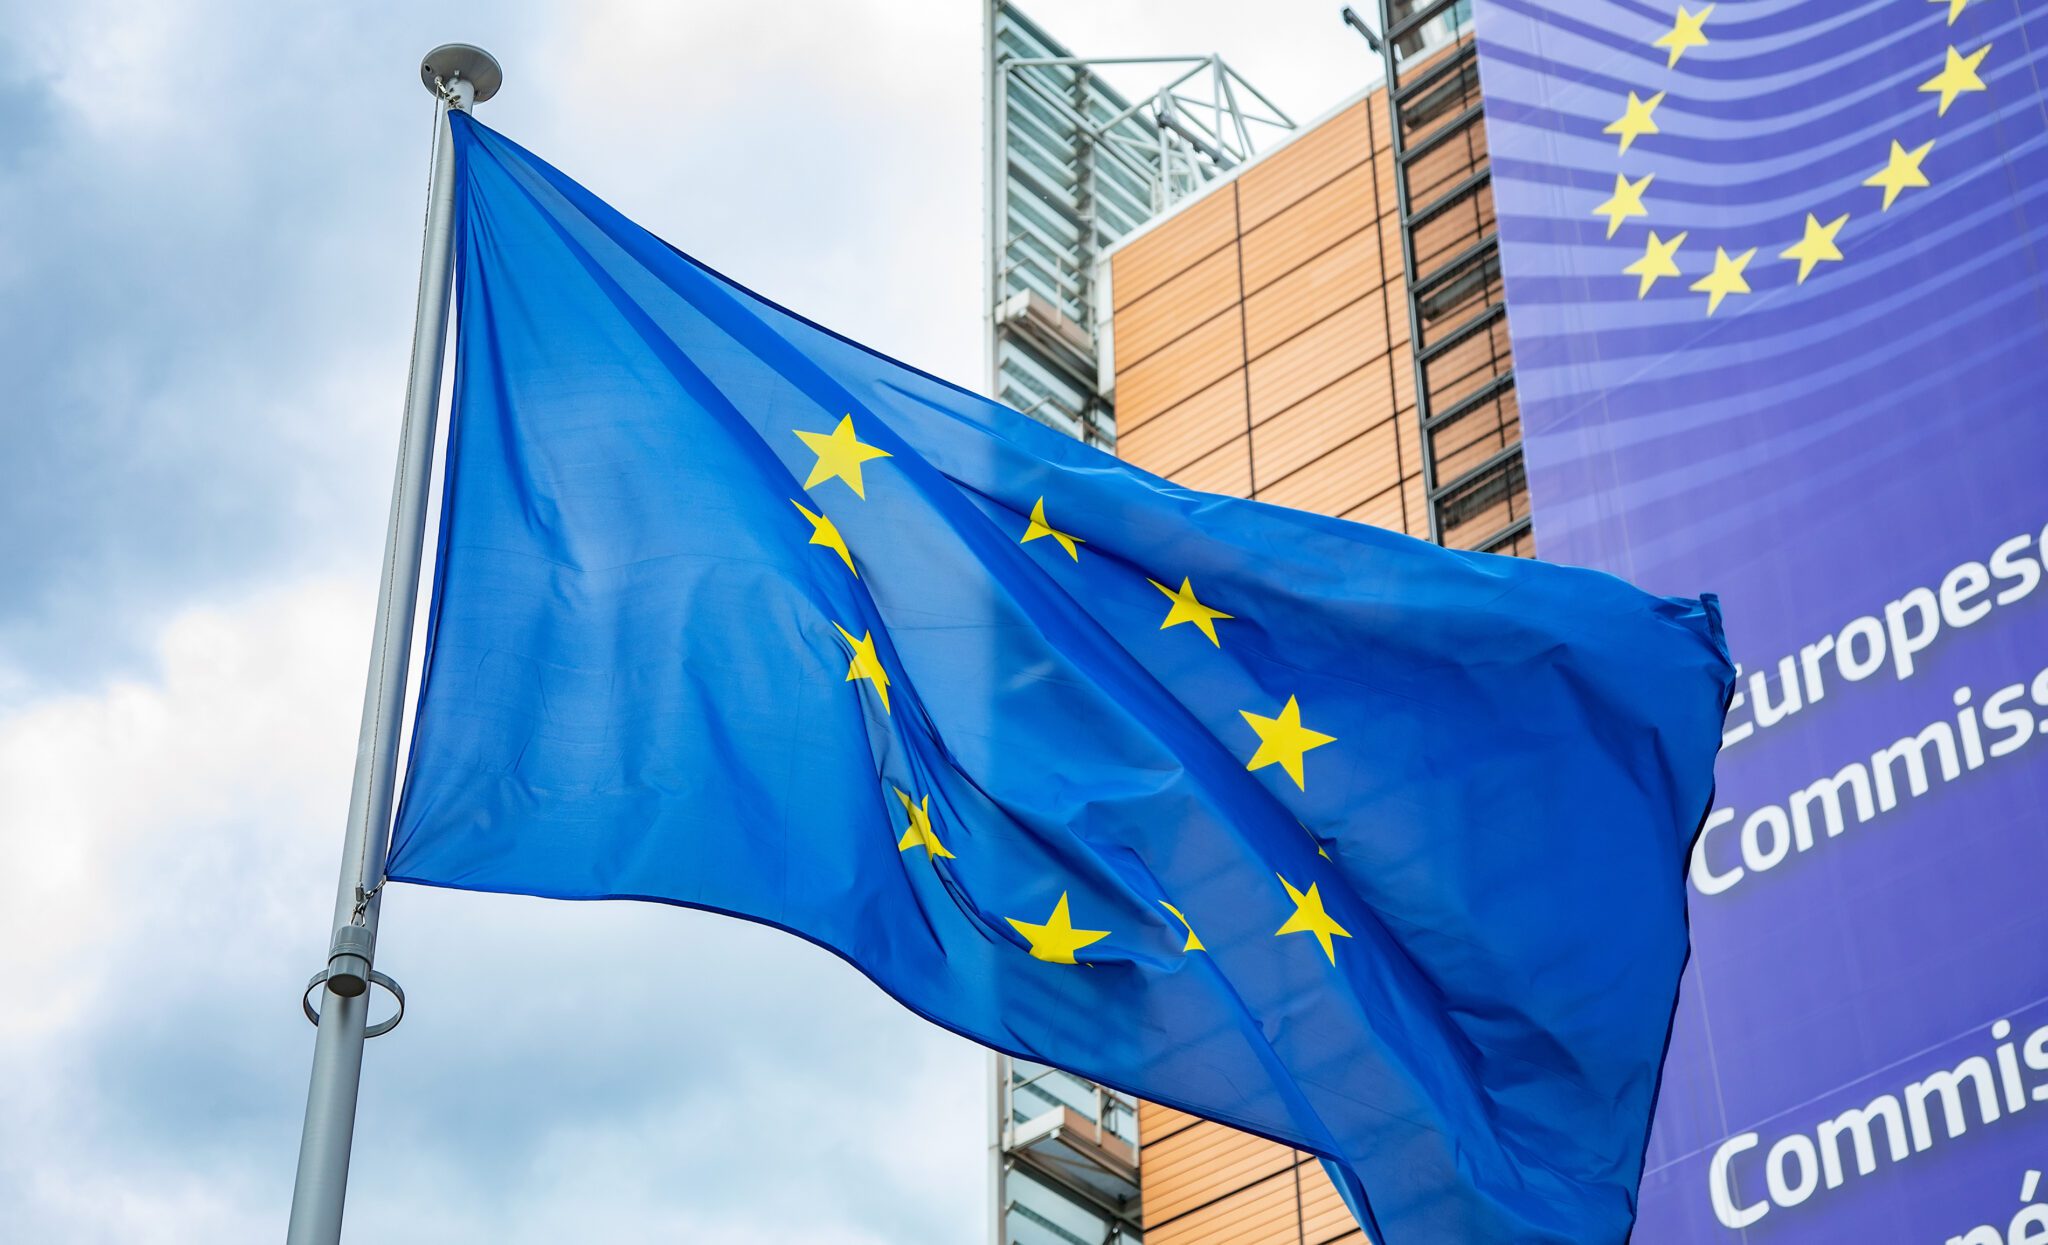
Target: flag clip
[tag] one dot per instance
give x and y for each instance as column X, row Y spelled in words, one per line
column 360, row 914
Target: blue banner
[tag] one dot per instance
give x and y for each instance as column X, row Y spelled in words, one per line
column 1775, row 283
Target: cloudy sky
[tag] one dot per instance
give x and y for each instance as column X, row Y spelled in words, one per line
column 212, row 215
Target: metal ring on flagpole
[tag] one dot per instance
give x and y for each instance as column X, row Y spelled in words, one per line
column 379, row 1029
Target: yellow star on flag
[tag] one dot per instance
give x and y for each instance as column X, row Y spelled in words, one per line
column 1955, row 8
column 920, row 832
column 1193, row 943
column 839, row 456
column 1283, row 740
column 1957, row 76
column 825, row 532
column 1186, row 609
column 1310, row 918
column 1817, row 245
column 1900, row 171
column 1685, row 34
column 1636, row 121
column 1657, row 260
column 1725, row 279
column 1039, row 527
column 1057, row 939
column 866, row 664
column 1626, row 201
column 1320, row 849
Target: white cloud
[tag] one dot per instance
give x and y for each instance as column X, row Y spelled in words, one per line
column 113, row 799
column 214, row 213
column 566, row 1067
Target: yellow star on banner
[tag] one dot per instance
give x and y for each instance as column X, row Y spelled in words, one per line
column 1186, row 609
column 1320, row 849
column 920, row 832
column 1636, row 121
column 1817, row 245
column 1283, row 740
column 1725, row 279
column 1057, row 939
column 1193, row 943
column 1657, row 260
column 1626, row 201
column 866, row 664
column 839, row 456
column 1900, row 171
column 1685, row 34
column 1039, row 527
column 1955, row 8
column 1310, row 918
column 1957, row 76
column 825, row 532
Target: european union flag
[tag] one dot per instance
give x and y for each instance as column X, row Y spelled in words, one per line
column 1338, row 837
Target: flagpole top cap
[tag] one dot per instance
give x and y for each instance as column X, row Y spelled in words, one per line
column 466, row 62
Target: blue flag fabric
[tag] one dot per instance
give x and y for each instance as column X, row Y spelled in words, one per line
column 1367, row 846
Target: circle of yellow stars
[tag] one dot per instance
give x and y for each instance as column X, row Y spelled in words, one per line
column 1902, row 171
column 1283, row 738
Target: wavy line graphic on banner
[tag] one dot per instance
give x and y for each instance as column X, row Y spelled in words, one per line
column 1774, row 275
column 1709, row 174
column 1902, row 170
column 1770, row 114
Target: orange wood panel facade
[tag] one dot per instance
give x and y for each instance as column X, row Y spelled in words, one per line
column 1205, row 1184
column 1262, row 350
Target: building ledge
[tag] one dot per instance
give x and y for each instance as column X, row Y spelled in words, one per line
column 1080, row 1153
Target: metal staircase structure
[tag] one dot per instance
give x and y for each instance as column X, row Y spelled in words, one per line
column 1457, row 312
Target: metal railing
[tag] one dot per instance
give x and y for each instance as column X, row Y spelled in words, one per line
column 1464, row 374
column 1076, row 164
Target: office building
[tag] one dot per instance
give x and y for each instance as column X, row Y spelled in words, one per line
column 1309, row 314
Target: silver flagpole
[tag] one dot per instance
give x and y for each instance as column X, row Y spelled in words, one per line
column 459, row 76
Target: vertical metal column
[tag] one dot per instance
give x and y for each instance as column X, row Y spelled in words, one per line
column 1397, row 149
column 458, row 76
column 1452, row 273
